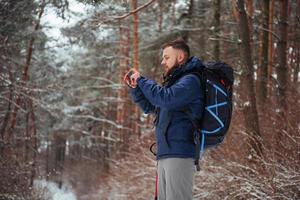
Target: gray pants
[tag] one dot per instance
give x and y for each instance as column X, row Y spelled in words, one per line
column 175, row 178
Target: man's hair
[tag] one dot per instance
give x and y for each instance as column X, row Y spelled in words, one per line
column 178, row 44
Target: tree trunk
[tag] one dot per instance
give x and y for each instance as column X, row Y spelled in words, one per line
column 135, row 36
column 249, row 4
column 122, row 107
column 160, row 15
column 262, row 75
column 297, row 64
column 297, row 46
column 33, row 140
column 247, row 83
column 60, row 151
column 25, row 76
column 47, row 158
column 281, row 69
column 271, row 47
column 136, row 61
column 249, row 11
column 200, row 21
column 26, row 136
column 10, row 99
column 217, row 29
column 173, row 12
column 188, row 23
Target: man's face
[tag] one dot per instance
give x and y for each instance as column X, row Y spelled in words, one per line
column 170, row 58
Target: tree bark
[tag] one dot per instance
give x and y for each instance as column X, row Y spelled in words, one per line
column 217, row 30
column 160, row 15
column 188, row 23
column 201, row 21
column 136, row 61
column 47, row 158
column 297, row 46
column 10, row 99
column 135, row 37
column 297, row 64
column 60, row 151
column 271, row 46
column 122, row 107
column 281, row 69
column 34, row 141
column 173, row 12
column 262, row 75
column 249, row 13
column 247, row 83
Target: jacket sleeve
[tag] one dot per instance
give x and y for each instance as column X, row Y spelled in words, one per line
column 184, row 91
column 139, row 98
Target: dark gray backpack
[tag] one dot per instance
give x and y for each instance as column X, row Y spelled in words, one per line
column 217, row 82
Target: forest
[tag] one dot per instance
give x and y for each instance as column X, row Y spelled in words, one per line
column 69, row 129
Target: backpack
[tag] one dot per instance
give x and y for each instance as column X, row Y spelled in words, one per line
column 217, row 82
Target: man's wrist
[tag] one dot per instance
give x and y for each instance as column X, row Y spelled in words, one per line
column 139, row 78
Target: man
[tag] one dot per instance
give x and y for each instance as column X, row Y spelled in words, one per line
column 180, row 91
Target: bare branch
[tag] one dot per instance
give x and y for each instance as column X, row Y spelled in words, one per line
column 113, row 18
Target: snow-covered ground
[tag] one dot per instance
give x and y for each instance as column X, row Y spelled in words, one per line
column 51, row 190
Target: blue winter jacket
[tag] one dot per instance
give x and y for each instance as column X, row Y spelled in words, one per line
column 174, row 129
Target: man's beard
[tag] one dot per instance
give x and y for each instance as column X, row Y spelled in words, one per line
column 167, row 70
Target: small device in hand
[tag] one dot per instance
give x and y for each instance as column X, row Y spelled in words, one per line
column 128, row 80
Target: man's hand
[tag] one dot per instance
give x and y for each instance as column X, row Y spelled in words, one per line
column 131, row 77
column 134, row 77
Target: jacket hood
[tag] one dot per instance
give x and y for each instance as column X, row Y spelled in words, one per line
column 193, row 64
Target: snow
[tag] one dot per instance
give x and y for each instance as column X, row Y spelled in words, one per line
column 247, row 103
column 72, row 109
column 63, row 51
column 76, row 11
column 53, row 191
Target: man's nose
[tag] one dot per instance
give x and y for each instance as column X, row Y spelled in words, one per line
column 162, row 62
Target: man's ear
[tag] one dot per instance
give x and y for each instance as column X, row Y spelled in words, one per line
column 181, row 57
